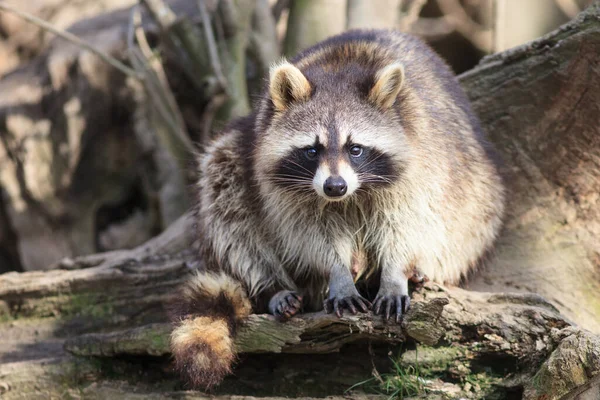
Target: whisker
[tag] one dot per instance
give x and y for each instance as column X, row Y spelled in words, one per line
column 367, row 177
column 283, row 178
column 290, row 176
column 290, row 182
column 372, row 160
column 295, row 188
column 301, row 166
column 297, row 184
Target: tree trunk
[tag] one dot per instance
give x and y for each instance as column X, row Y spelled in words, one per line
column 366, row 14
column 311, row 21
column 94, row 322
column 540, row 104
column 237, row 20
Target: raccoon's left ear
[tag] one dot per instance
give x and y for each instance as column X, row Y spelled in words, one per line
column 287, row 84
column 388, row 82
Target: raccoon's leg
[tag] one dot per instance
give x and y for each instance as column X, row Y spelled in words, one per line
column 285, row 304
column 343, row 293
column 392, row 297
column 279, row 295
column 268, row 284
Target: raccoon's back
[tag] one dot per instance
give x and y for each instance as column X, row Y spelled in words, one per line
column 372, row 50
column 226, row 193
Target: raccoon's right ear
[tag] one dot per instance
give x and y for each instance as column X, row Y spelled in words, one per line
column 287, row 85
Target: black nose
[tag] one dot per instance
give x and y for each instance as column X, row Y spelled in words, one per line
column 335, row 186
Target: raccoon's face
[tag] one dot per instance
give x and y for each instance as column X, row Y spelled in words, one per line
column 331, row 145
column 333, row 159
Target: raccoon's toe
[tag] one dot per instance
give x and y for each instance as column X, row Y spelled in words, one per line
column 390, row 305
column 285, row 304
column 353, row 303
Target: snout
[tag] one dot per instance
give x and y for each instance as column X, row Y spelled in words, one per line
column 335, row 186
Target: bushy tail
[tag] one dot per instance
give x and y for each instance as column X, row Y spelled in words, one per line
column 206, row 315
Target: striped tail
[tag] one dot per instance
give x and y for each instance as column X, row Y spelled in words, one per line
column 205, row 317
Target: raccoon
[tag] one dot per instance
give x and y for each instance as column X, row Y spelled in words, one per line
column 363, row 146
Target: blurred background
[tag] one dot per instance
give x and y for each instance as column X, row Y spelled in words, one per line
column 93, row 158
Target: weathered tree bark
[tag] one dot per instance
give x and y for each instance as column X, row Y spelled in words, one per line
column 539, row 104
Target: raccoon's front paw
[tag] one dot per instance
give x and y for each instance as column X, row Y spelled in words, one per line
column 337, row 304
column 285, row 304
column 391, row 304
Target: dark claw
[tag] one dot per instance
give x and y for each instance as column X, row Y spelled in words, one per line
column 390, row 305
column 283, row 311
column 399, row 312
column 388, row 309
column 377, row 305
column 363, row 304
column 350, row 303
column 336, row 308
column 293, row 301
column 296, row 296
column 285, row 305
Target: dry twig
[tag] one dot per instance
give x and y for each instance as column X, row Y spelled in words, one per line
column 157, row 86
column 456, row 15
column 278, row 8
column 412, row 15
column 212, row 46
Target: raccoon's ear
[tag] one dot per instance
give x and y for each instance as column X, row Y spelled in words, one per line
column 287, row 85
column 388, row 82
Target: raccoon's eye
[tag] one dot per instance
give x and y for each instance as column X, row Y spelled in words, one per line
column 311, row 153
column 356, row 151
